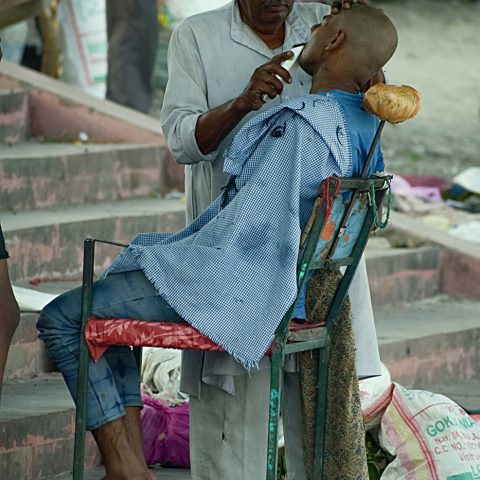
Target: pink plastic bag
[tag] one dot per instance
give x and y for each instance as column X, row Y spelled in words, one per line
column 165, row 433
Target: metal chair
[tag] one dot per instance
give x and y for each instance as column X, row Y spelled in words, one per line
column 335, row 236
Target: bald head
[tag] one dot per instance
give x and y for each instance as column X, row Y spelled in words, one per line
column 356, row 42
column 371, row 37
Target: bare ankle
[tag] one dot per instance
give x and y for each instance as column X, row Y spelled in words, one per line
column 120, row 462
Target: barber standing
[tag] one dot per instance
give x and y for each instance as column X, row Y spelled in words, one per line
column 223, row 66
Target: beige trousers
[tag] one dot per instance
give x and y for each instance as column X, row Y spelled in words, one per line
column 228, row 433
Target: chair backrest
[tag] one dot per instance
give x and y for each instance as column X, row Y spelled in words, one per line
column 337, row 232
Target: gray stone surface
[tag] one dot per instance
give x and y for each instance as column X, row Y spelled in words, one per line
column 160, row 474
column 36, row 430
column 72, row 95
column 433, row 316
column 13, row 117
column 430, row 342
column 400, row 275
column 466, row 394
column 49, row 243
column 40, row 175
column 27, row 357
column 26, row 220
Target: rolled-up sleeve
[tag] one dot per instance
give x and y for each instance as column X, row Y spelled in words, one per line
column 185, row 97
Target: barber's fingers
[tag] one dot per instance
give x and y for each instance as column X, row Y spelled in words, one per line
column 263, row 84
column 281, row 57
column 267, row 81
column 273, row 67
column 345, row 4
column 336, row 7
column 269, row 78
column 273, row 77
column 268, row 90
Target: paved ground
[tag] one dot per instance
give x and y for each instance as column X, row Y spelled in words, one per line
column 160, row 473
column 429, row 317
column 466, row 394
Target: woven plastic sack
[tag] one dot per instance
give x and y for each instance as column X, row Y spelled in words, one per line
column 375, row 396
column 431, row 437
column 165, row 433
column 84, row 29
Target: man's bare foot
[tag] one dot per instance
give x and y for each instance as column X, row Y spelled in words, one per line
column 151, row 476
column 120, row 462
column 133, row 427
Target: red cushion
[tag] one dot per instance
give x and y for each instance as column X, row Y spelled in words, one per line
column 101, row 333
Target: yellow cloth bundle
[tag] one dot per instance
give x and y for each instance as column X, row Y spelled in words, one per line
column 393, row 103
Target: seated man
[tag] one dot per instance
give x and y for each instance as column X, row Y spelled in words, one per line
column 231, row 273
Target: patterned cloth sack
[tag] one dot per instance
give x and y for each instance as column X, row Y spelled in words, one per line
column 431, row 437
column 345, row 452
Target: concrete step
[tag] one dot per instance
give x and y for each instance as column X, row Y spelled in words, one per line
column 13, row 116
column 36, row 430
column 40, row 175
column 432, row 345
column 460, row 258
column 59, row 112
column 400, row 275
column 431, row 342
column 27, row 357
column 36, row 434
column 465, row 393
column 160, row 473
column 49, row 242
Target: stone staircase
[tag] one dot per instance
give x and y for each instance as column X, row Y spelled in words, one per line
column 55, row 190
column 70, row 167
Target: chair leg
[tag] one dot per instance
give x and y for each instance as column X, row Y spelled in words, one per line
column 274, row 414
column 83, row 363
column 81, row 413
column 137, row 353
column 321, row 420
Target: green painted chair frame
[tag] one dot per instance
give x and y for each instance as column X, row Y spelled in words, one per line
column 363, row 196
column 347, row 198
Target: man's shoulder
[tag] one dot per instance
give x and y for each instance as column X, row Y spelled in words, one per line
column 320, row 113
column 209, row 18
column 301, row 109
column 310, row 103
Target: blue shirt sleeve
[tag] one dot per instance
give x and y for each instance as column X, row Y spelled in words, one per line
column 380, row 164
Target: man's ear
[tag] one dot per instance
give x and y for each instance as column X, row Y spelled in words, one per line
column 336, row 41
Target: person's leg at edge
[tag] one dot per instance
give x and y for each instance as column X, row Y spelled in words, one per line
column 9, row 316
column 114, row 401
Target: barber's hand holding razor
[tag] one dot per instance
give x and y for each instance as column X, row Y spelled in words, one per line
column 266, row 81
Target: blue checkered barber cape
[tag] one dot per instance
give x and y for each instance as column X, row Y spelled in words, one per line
column 232, row 272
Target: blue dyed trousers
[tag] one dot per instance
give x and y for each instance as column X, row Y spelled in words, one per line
column 113, row 381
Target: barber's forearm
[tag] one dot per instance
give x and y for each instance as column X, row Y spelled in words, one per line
column 213, row 126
